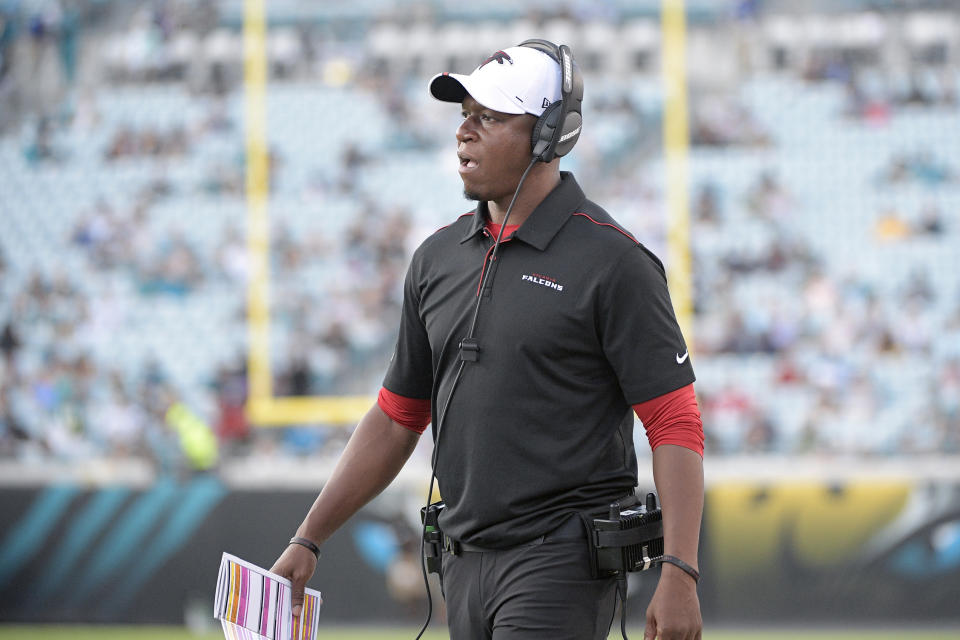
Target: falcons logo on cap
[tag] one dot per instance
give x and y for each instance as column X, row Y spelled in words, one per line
column 499, row 56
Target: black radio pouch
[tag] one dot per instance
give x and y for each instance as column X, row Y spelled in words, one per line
column 591, row 543
column 630, row 538
column 432, row 536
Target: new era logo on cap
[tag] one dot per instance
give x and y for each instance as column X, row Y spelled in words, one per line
column 523, row 80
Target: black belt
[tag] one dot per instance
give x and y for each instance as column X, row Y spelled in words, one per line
column 571, row 529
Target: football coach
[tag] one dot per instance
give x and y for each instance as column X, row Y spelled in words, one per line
column 533, row 328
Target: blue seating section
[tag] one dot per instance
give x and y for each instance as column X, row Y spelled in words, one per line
column 847, row 341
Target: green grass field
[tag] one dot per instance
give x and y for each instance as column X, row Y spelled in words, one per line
column 178, row 633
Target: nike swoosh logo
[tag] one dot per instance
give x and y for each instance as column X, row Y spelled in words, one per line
column 682, row 359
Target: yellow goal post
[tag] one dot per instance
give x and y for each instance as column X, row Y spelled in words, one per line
column 263, row 407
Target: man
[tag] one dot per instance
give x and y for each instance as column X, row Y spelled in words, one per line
column 574, row 327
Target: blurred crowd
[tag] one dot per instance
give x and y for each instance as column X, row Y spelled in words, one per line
column 55, row 402
column 855, row 364
column 793, row 356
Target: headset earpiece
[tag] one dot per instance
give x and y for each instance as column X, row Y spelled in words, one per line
column 569, row 133
column 544, row 129
column 558, row 128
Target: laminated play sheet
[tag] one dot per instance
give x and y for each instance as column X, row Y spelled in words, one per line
column 253, row 604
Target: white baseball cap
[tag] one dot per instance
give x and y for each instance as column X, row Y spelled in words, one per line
column 513, row 80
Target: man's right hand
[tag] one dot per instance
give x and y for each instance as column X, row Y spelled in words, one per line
column 297, row 565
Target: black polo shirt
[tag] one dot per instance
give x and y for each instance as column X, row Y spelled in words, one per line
column 576, row 325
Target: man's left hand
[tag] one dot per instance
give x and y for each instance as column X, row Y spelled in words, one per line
column 674, row 611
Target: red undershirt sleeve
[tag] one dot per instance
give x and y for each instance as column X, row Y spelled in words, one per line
column 673, row 418
column 412, row 413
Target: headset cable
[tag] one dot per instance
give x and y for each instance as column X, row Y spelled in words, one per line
column 453, row 388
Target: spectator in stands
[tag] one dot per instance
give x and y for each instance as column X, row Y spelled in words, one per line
column 297, row 380
column 768, row 199
column 725, row 414
column 946, row 396
column 720, row 121
column 175, row 269
column 706, row 205
column 119, row 423
column 931, row 221
column 921, row 167
column 760, row 435
column 8, row 92
column 10, row 345
column 231, row 425
column 6, row 39
column 41, row 148
column 129, row 142
column 231, row 257
column 12, row 431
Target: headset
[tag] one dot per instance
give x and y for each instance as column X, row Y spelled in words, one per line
column 558, row 128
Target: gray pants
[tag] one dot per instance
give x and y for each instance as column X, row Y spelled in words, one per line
column 538, row 591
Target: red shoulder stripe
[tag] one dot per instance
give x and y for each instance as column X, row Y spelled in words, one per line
column 606, row 224
column 468, row 213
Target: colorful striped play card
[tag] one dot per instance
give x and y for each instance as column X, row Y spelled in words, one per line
column 253, row 604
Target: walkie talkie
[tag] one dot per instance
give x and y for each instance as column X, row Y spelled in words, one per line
column 628, row 539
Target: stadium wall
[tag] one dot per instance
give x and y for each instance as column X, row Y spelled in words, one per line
column 863, row 549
